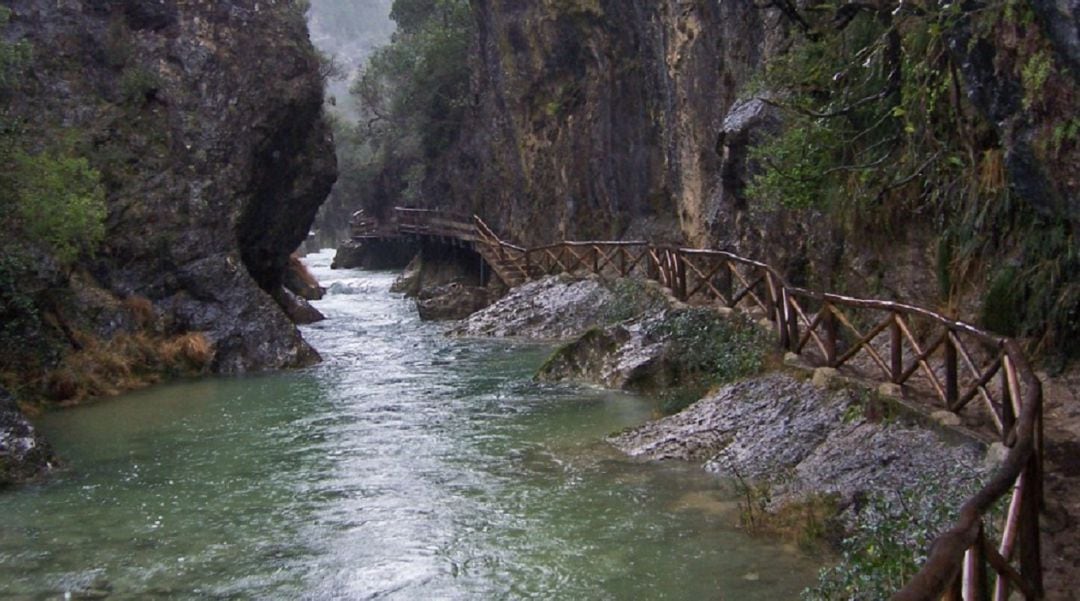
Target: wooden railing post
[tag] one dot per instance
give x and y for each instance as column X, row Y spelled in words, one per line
column 955, row 592
column 778, row 308
column 896, row 350
column 1030, row 551
column 952, row 385
column 727, row 283
column 976, row 586
column 680, row 275
column 792, row 319
column 1008, row 415
column 828, row 322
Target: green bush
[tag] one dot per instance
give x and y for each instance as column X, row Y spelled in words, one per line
column 630, row 298
column 60, row 202
column 137, row 85
column 721, row 348
column 878, row 135
column 18, row 312
column 708, row 349
column 891, row 539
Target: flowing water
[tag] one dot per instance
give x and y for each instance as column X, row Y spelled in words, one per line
column 406, row 466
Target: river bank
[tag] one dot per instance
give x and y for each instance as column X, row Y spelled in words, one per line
column 407, row 465
column 822, row 448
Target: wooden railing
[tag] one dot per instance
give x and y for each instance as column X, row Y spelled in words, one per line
column 959, row 367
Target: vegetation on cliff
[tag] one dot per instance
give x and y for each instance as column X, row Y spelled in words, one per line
column 52, row 203
column 887, row 124
column 411, row 97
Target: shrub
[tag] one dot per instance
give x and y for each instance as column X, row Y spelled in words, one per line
column 706, row 349
column 722, row 349
column 891, row 538
column 192, row 351
column 125, row 362
column 630, row 298
column 138, row 85
column 60, row 202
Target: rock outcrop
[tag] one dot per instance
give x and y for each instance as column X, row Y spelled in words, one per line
column 205, row 121
column 803, row 441
column 601, row 117
column 24, row 454
column 452, row 301
column 552, row 308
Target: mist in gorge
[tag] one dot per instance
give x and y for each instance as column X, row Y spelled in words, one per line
column 348, row 31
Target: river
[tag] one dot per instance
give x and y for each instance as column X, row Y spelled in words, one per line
column 407, row 465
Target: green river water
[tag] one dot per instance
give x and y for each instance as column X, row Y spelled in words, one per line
column 406, row 466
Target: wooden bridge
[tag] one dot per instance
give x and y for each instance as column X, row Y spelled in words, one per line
column 954, row 365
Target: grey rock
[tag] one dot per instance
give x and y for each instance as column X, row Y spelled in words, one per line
column 205, row 119
column 793, row 435
column 452, row 301
column 552, row 308
column 24, row 454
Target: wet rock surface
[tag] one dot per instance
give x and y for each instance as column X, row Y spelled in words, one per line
column 556, row 307
column 452, row 301
column 205, row 121
column 24, row 454
column 374, row 254
column 300, row 282
column 625, row 356
column 803, row 440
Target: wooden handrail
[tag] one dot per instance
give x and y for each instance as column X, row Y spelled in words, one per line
column 962, row 556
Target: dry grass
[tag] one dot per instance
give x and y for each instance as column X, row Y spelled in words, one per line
column 141, row 310
column 192, row 349
column 301, row 270
column 126, row 362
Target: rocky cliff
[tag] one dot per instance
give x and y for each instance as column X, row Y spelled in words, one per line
column 625, row 119
column 204, row 120
column 600, row 119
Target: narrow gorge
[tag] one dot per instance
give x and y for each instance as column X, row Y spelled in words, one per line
column 631, row 299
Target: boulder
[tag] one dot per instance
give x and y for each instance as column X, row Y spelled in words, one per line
column 24, row 454
column 300, row 281
column 297, row 308
column 452, row 301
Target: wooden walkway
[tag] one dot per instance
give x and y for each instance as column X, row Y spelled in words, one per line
column 960, row 367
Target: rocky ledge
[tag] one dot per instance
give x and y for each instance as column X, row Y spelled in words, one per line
column 803, row 440
column 552, row 308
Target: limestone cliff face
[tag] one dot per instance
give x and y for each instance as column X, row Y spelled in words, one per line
column 600, row 118
column 625, row 118
column 204, row 118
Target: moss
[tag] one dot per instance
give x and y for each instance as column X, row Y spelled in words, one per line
column 595, row 338
column 631, row 297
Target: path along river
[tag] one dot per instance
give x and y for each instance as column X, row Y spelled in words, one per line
column 406, row 466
